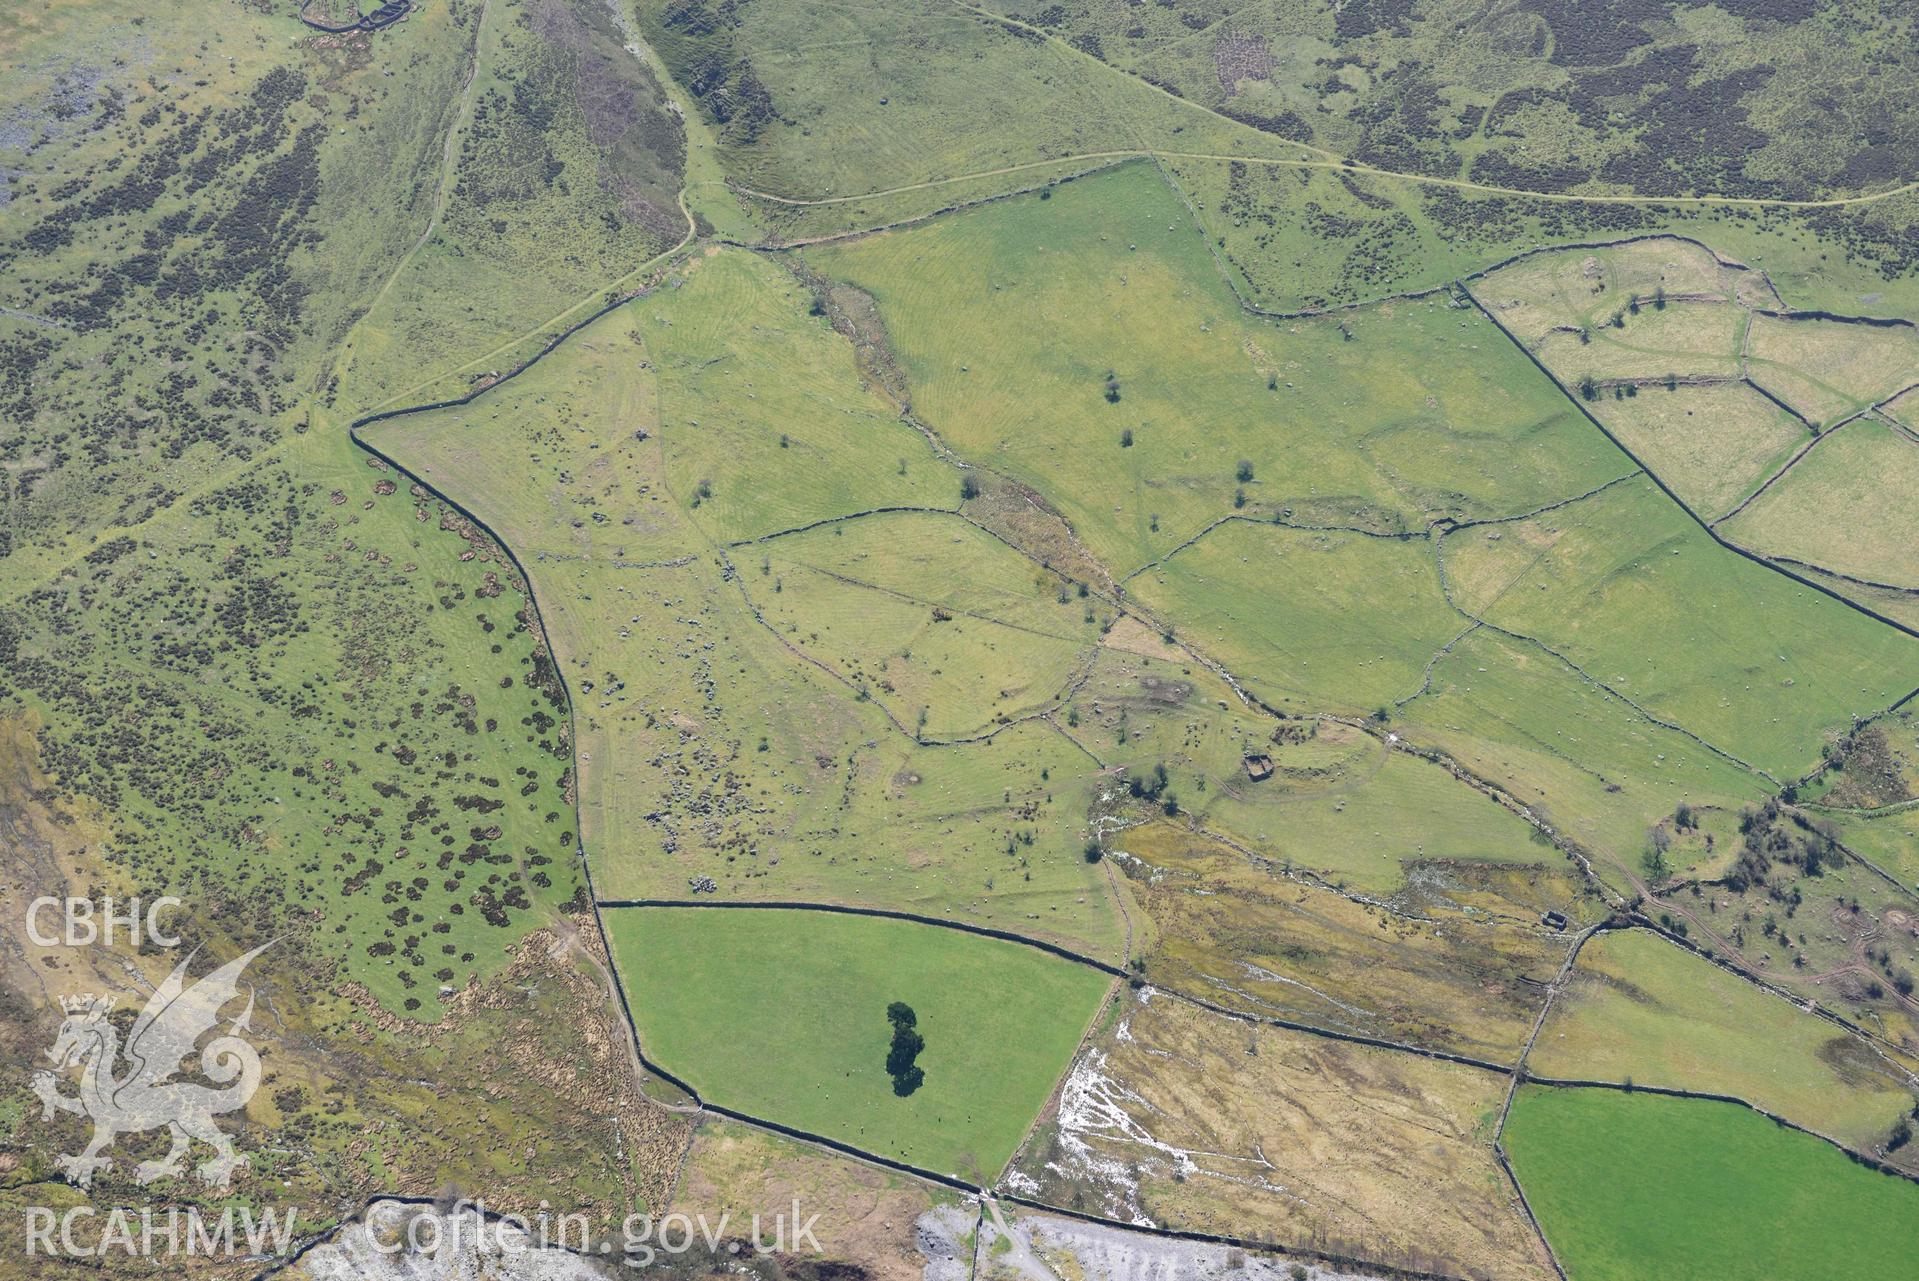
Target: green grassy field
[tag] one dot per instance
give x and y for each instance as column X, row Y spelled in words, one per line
column 1837, row 369
column 1608, row 321
column 889, row 572
column 1146, row 702
column 1585, row 761
column 768, row 422
column 949, row 629
column 1833, row 510
column 1635, row 1186
column 1567, row 291
column 1699, row 338
column 1000, row 1023
column 1904, row 408
column 1900, row 606
column 1307, row 619
column 1657, row 310
column 1811, row 397
column 1009, row 320
column 1366, row 829
column 1890, row 840
column 1339, row 802
column 1642, row 1010
column 1714, row 445
column 1612, row 583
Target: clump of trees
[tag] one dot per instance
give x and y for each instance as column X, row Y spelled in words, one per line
column 907, row 1075
column 1771, row 835
column 1153, row 787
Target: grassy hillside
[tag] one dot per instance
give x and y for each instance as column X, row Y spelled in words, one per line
column 1599, row 580
column 1541, row 96
column 733, row 717
column 1101, row 321
column 1596, row 768
column 1313, row 619
column 271, row 679
column 560, row 178
column 1833, row 510
column 1642, row 1011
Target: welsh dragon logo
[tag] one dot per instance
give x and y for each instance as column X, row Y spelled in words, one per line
column 145, row 1096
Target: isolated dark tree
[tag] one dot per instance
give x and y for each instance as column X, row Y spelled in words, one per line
column 1654, row 861
column 1244, row 472
column 905, row 1048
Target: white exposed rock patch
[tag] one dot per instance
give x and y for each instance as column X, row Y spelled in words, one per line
column 1099, row 1253
column 941, row 1235
column 1100, row 1119
column 455, row 1246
